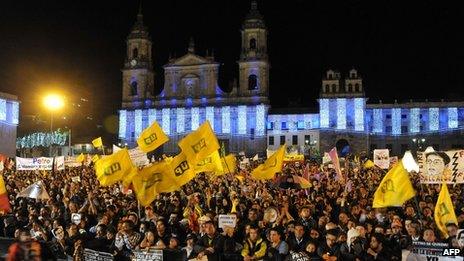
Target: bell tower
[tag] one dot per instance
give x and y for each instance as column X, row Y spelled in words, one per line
column 137, row 74
column 253, row 63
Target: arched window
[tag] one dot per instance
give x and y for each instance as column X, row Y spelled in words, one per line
column 133, row 88
column 356, row 88
column 330, row 76
column 334, row 88
column 252, row 43
column 135, row 53
column 252, row 82
column 350, row 87
column 327, row 88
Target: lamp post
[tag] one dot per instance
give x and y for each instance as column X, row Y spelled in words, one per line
column 52, row 102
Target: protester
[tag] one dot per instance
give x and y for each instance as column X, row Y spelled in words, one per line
column 328, row 220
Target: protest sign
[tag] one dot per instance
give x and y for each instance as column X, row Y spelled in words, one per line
column 227, row 220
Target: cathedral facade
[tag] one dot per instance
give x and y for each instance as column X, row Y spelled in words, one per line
column 242, row 118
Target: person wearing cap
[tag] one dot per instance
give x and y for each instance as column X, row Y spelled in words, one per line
column 188, row 251
column 254, row 247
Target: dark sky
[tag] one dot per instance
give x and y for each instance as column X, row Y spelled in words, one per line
column 403, row 49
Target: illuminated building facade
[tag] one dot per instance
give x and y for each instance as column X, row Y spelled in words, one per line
column 242, row 118
column 9, row 119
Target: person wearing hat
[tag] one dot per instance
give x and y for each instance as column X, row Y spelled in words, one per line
column 188, row 252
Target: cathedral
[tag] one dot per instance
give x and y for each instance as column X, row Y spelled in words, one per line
column 242, row 118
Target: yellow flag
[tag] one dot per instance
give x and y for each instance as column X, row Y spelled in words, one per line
column 95, row 158
column 271, row 166
column 240, row 178
column 80, row 158
column 444, row 210
column 212, row 163
column 182, row 169
column 369, row 164
column 395, row 188
column 199, row 144
column 152, row 180
column 97, row 143
column 151, row 138
column 229, row 165
column 113, row 168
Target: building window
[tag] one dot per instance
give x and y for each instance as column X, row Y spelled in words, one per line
column 404, row 116
column 252, row 43
column 271, row 140
column 350, row 87
column 295, row 140
column 300, row 125
column 252, row 133
column 330, row 76
column 270, row 125
column 284, row 125
column 252, row 82
column 135, row 53
column 356, row 87
column 334, row 88
column 404, row 129
column 353, row 75
column 282, row 140
column 327, row 88
column 389, row 116
column 133, row 88
column 388, row 129
column 307, row 139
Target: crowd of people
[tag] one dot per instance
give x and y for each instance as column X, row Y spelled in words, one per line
column 331, row 220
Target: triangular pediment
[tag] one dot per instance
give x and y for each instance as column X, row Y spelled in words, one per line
column 190, row 59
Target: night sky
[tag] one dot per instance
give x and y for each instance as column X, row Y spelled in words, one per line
column 403, row 50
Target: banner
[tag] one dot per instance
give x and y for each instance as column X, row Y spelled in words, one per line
column 429, row 251
column 150, row 255
column 294, row 157
column 71, row 162
column 227, row 220
column 42, row 163
column 382, row 158
column 138, row 157
column 441, row 166
column 90, row 255
column 59, row 163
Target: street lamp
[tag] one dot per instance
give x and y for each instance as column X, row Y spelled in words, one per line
column 53, row 102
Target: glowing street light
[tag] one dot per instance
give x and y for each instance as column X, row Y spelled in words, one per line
column 53, row 102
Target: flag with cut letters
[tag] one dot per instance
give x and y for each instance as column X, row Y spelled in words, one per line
column 395, row 188
column 151, row 138
column 212, row 163
column 182, row 169
column 444, row 210
column 97, row 143
column 80, row 158
column 271, row 166
column 199, row 144
column 152, row 180
column 229, row 164
column 113, row 168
